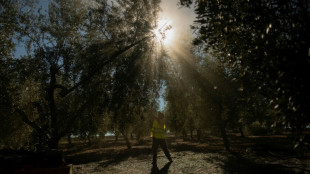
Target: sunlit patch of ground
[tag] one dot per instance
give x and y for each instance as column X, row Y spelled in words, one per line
column 250, row 155
column 184, row 162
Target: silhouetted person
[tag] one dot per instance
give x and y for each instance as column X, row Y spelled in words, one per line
column 158, row 135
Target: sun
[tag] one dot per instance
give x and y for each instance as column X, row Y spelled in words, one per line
column 164, row 32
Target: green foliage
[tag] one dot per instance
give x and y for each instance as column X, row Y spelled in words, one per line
column 82, row 69
column 264, row 45
column 10, row 17
column 257, row 128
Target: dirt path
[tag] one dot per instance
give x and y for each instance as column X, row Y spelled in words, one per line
column 253, row 156
column 192, row 162
column 184, row 162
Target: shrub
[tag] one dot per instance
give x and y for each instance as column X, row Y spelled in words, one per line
column 256, row 128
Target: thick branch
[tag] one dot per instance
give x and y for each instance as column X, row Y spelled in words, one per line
column 27, row 121
column 65, row 92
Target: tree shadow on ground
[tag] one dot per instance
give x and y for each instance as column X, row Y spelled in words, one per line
column 235, row 163
column 111, row 156
column 194, row 148
column 124, row 155
column 163, row 170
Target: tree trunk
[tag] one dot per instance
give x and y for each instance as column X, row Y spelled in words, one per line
column 138, row 139
column 184, row 134
column 116, row 136
column 53, row 142
column 222, row 126
column 102, row 135
column 224, row 136
column 241, row 132
column 69, row 139
column 127, row 140
column 131, row 136
column 192, row 134
column 89, row 139
column 198, row 135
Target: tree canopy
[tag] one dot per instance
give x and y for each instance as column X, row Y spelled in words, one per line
column 266, row 45
column 92, row 67
column 82, row 59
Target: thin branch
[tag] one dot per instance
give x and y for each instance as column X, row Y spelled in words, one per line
column 65, row 92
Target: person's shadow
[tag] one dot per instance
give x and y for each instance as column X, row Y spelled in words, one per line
column 163, row 170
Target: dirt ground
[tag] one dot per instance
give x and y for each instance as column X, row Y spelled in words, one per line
column 269, row 154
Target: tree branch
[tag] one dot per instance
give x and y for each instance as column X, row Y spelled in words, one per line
column 65, row 91
column 27, row 121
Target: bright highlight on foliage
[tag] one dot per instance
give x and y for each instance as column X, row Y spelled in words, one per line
column 164, row 32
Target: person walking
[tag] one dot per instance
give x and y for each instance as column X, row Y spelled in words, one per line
column 158, row 135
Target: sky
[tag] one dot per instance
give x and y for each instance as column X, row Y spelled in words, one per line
column 180, row 18
column 20, row 49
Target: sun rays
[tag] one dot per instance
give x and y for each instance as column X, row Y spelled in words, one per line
column 164, row 32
